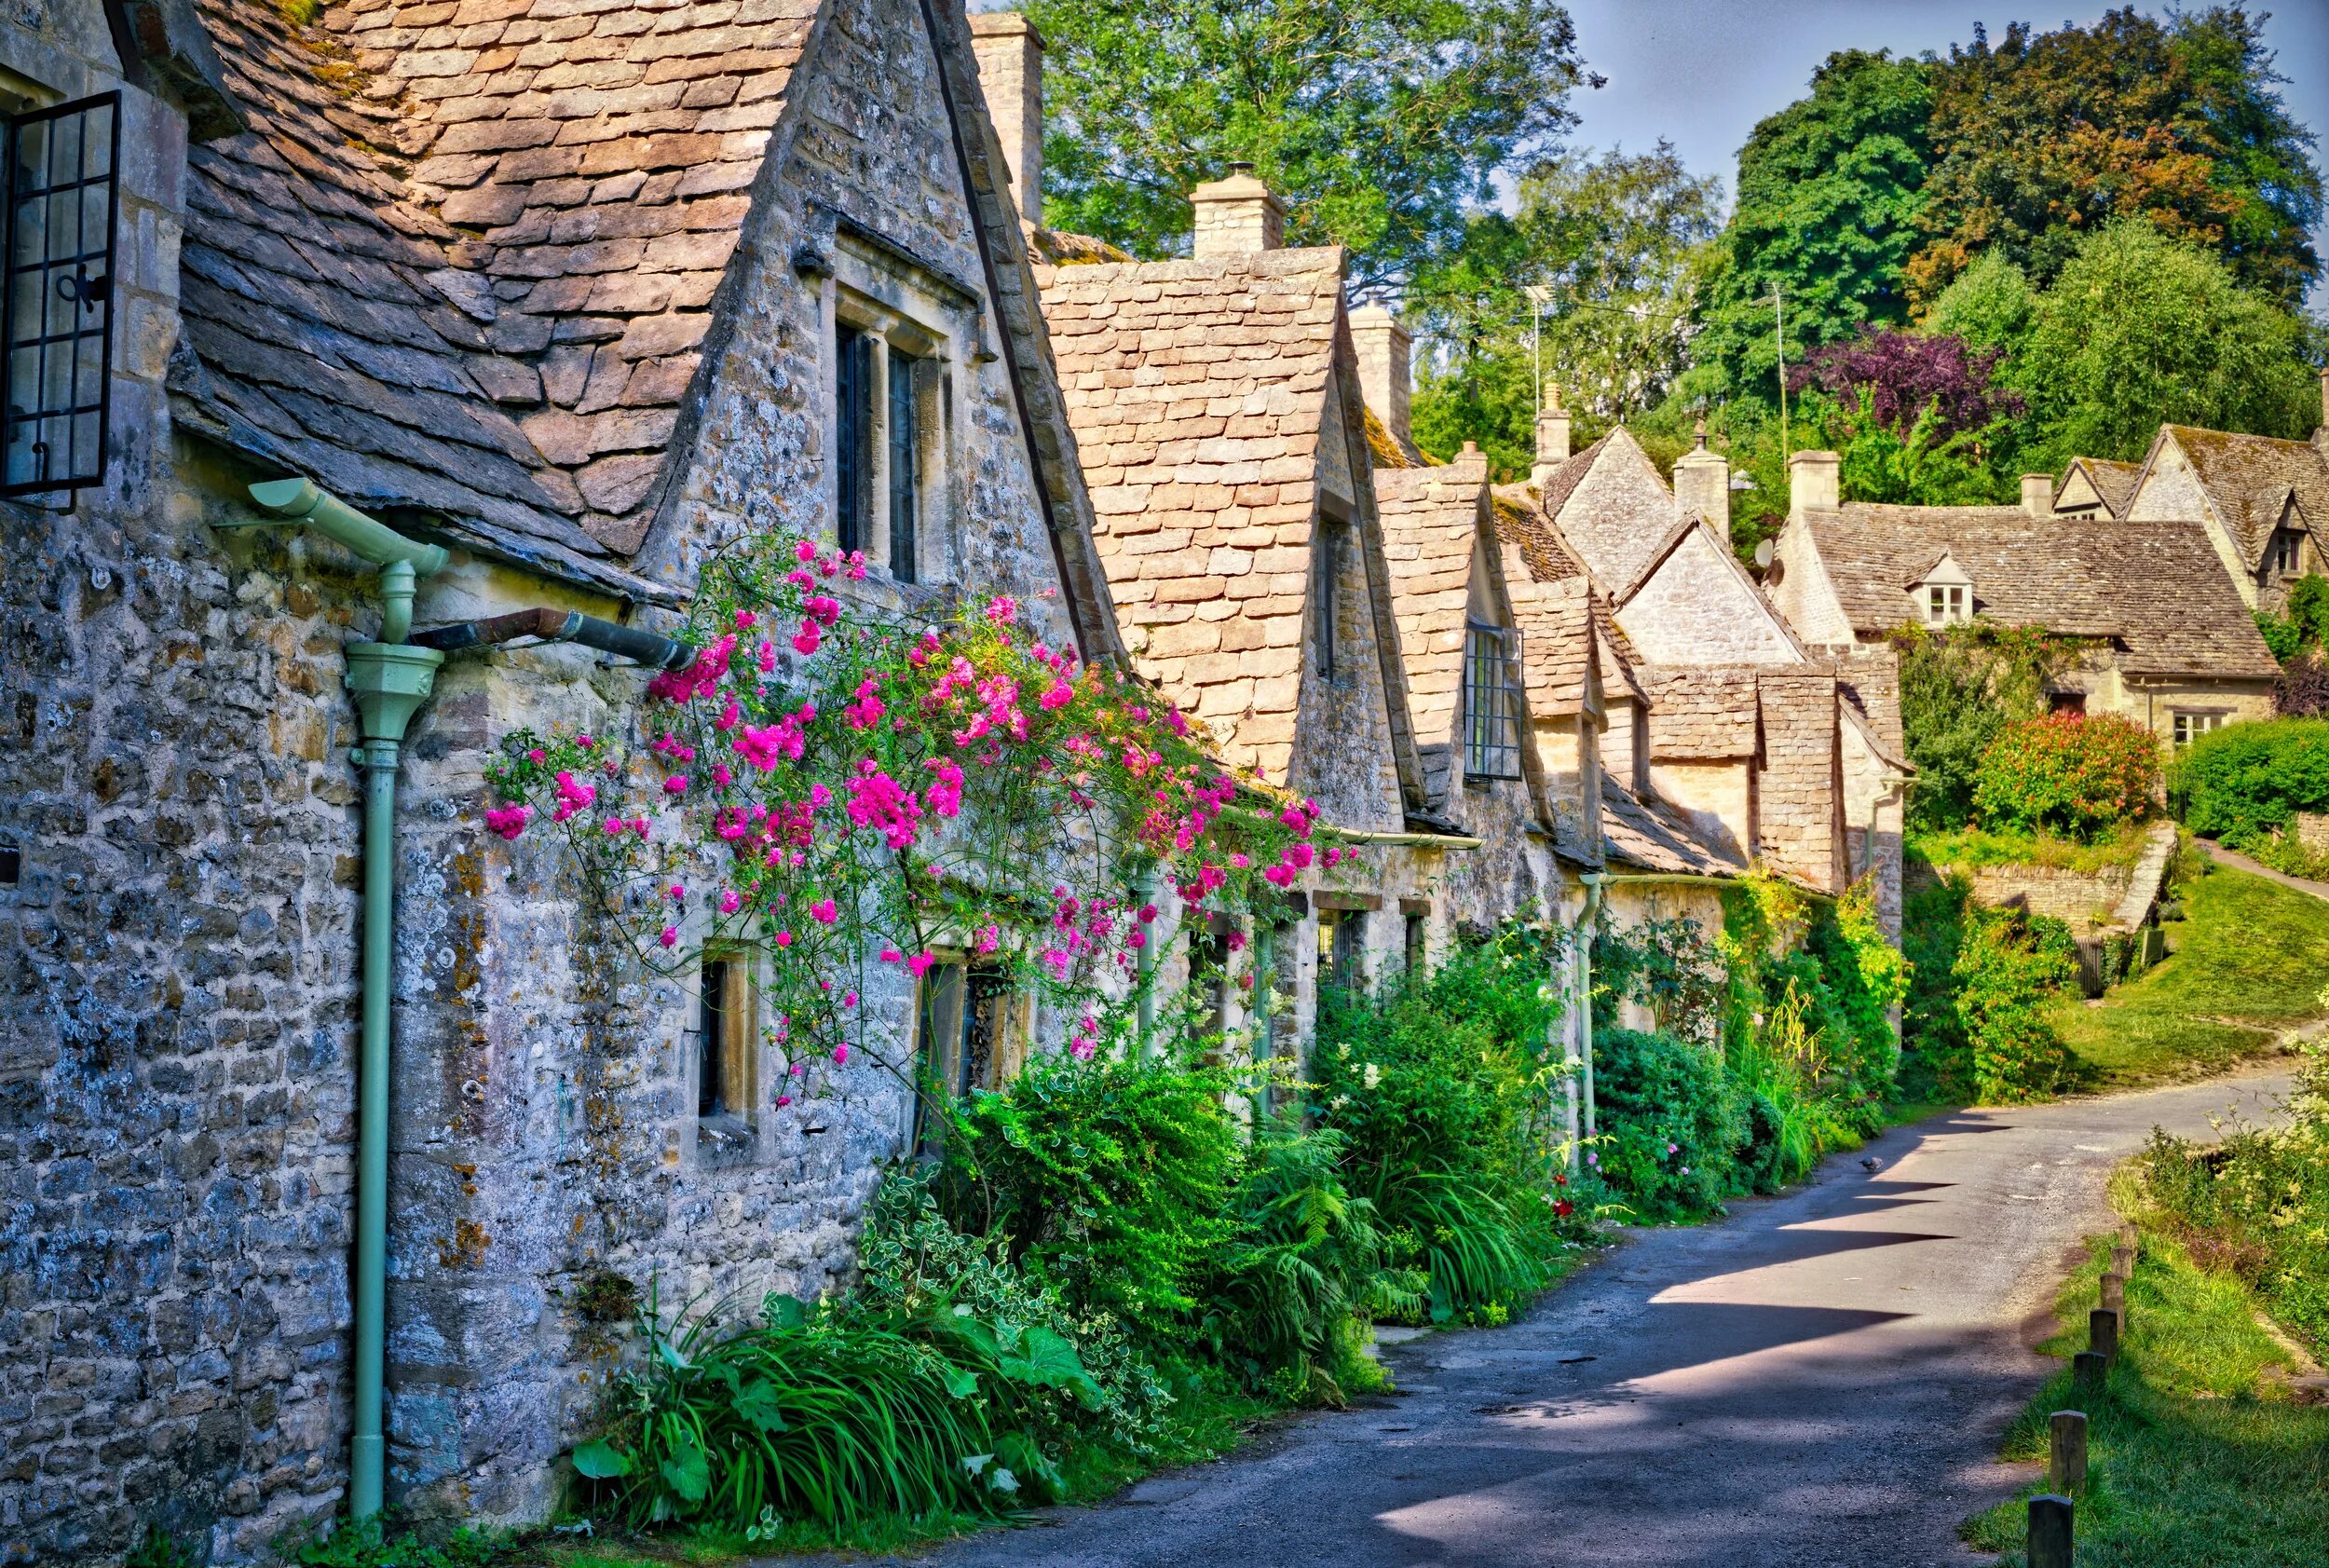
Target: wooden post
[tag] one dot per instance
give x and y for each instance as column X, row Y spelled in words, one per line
column 2115, row 1296
column 2087, row 1371
column 2103, row 1334
column 2049, row 1532
column 2123, row 1260
column 2066, row 1435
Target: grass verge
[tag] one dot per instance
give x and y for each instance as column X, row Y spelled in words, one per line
column 1966, row 848
column 2199, row 1452
column 2248, row 966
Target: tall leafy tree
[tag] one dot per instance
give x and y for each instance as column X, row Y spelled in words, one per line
column 2141, row 329
column 2042, row 138
column 1830, row 193
column 1616, row 243
column 1377, row 122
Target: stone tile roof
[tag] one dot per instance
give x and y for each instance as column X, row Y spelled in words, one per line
column 470, row 256
column 1545, row 560
column 1702, row 713
column 1558, row 643
column 1197, row 392
column 1652, row 836
column 1871, row 681
column 2250, row 479
column 1432, row 524
column 1615, row 510
column 1799, row 789
column 2159, row 588
column 2114, row 482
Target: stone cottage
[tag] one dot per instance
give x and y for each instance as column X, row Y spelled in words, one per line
column 537, row 302
column 2096, row 487
column 2264, row 502
column 2165, row 637
column 1703, row 632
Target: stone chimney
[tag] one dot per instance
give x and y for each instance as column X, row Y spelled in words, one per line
column 2321, row 431
column 1383, row 367
column 1552, row 437
column 1812, row 483
column 1011, row 72
column 2037, row 494
column 1702, row 482
column 1236, row 216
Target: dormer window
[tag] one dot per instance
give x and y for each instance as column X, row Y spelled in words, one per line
column 56, row 314
column 2283, row 553
column 1491, row 703
column 1946, row 604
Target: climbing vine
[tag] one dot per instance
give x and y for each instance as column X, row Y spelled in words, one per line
column 852, row 793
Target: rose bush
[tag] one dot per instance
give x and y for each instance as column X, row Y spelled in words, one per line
column 845, row 791
column 2068, row 773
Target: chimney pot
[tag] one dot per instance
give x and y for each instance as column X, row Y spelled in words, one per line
column 1552, row 437
column 2037, row 494
column 1702, row 482
column 1813, row 482
column 1011, row 74
column 1236, row 216
column 1384, row 368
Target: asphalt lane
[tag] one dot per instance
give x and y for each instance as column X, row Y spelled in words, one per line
column 1818, row 1381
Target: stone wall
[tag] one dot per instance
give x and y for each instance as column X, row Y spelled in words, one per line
column 2084, row 899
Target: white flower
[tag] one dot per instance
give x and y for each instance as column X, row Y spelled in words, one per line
column 1373, row 1075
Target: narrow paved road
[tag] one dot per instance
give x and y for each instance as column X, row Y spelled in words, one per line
column 1820, row 1379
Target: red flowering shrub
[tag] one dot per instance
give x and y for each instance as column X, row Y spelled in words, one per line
column 2067, row 773
column 848, row 793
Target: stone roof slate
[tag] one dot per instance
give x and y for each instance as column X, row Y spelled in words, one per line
column 1431, row 521
column 1653, row 835
column 1545, row 559
column 2159, row 588
column 1197, row 394
column 2250, row 478
column 1799, row 789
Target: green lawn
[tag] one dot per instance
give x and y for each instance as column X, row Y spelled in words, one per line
column 2198, row 1455
column 2250, row 959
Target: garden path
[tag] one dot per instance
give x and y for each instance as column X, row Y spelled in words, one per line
column 1819, row 1381
column 2240, row 861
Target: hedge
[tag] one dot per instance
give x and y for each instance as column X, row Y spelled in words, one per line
column 2246, row 782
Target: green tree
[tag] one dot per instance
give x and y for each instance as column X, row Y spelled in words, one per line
column 1958, row 691
column 1618, row 242
column 2044, row 138
column 1377, row 122
column 1829, row 190
column 1989, row 305
column 2140, row 329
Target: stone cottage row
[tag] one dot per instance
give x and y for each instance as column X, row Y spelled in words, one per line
column 524, row 309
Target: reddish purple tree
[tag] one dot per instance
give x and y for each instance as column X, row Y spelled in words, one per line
column 1894, row 377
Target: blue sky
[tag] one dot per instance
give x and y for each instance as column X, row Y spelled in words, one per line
column 1701, row 72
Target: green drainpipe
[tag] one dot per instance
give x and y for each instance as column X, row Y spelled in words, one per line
column 389, row 680
column 1594, row 882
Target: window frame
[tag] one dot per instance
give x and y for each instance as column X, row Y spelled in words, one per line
column 107, row 296
column 948, row 1000
column 921, row 328
column 1948, row 604
column 727, row 1057
column 1332, row 544
column 1491, row 697
column 2187, row 725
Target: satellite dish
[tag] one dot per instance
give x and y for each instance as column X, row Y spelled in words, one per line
column 1762, row 556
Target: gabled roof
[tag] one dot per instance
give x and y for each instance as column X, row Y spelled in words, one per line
column 1652, row 836
column 1798, row 799
column 2249, row 480
column 1615, row 510
column 1198, row 391
column 1547, row 560
column 2113, row 482
column 467, row 263
column 2159, row 588
column 1435, row 532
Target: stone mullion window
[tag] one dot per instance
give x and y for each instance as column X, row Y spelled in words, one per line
column 1492, row 695
column 56, row 305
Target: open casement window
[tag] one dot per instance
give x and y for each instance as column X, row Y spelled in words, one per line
column 897, row 334
column 58, row 312
column 727, row 1040
column 971, row 1028
column 1491, row 702
column 2190, row 727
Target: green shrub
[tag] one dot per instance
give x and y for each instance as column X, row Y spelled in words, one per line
column 1670, row 1123
column 1303, row 1272
column 1444, row 1091
column 914, row 1265
column 1108, row 1178
column 807, row 1417
column 2068, row 773
column 2010, row 965
column 1958, row 689
column 2245, row 782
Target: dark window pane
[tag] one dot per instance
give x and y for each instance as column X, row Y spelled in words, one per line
column 1330, row 533
column 712, row 1069
column 852, row 387
column 906, row 479
column 58, row 301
